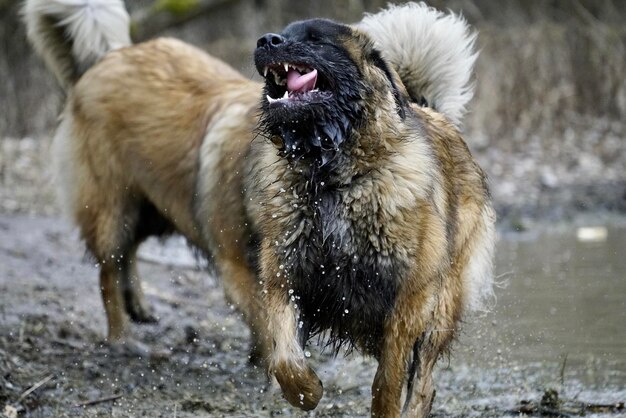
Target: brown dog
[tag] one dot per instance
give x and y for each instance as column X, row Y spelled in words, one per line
column 356, row 204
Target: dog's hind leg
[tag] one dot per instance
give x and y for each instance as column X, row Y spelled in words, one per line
column 142, row 221
column 108, row 222
column 134, row 299
column 100, row 228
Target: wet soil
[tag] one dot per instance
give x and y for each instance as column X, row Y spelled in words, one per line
column 52, row 327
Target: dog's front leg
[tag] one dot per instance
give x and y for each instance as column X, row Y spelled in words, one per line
column 299, row 383
column 408, row 322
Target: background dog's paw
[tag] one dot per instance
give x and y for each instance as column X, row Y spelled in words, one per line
column 300, row 385
column 141, row 314
column 138, row 309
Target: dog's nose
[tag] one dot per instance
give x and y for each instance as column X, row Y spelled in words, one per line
column 269, row 40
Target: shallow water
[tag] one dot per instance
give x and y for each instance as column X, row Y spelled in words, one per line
column 560, row 296
column 559, row 322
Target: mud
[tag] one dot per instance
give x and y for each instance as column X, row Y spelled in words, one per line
column 52, row 328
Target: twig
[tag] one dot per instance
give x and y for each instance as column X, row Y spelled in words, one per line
column 149, row 21
column 97, row 401
column 562, row 374
column 34, row 387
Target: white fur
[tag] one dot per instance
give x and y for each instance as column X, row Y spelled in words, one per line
column 432, row 52
column 478, row 275
column 64, row 161
column 72, row 35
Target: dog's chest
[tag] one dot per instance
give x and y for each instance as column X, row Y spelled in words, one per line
column 340, row 276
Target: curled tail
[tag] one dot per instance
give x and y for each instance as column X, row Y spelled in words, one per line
column 72, row 35
column 432, row 52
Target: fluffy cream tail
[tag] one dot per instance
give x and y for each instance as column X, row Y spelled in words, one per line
column 72, row 35
column 432, row 52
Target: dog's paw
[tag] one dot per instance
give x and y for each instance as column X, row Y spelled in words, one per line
column 300, row 385
column 130, row 347
column 139, row 311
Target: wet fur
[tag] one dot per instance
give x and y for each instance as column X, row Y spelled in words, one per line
column 383, row 193
column 370, row 209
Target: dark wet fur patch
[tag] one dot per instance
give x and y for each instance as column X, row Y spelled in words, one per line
column 340, row 282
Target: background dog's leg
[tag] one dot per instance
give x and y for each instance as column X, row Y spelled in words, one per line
column 243, row 290
column 108, row 223
column 118, row 326
column 134, row 300
column 99, row 224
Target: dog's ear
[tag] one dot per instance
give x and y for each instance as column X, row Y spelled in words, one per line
column 401, row 102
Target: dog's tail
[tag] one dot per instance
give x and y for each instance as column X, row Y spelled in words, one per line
column 72, row 35
column 432, row 52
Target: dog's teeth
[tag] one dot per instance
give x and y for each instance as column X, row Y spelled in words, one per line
column 286, row 67
column 286, row 95
column 265, row 72
column 270, row 100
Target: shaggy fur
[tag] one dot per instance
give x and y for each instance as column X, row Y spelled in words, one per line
column 72, row 35
column 346, row 206
column 442, row 43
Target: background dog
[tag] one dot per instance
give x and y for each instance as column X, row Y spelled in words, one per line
column 356, row 204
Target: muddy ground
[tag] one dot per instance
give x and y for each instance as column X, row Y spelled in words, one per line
column 54, row 361
column 51, row 338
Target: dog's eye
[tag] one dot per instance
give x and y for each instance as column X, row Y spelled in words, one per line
column 313, row 36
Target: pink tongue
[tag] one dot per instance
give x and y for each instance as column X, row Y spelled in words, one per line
column 301, row 83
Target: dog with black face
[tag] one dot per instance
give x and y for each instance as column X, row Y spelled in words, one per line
column 375, row 222
column 349, row 207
